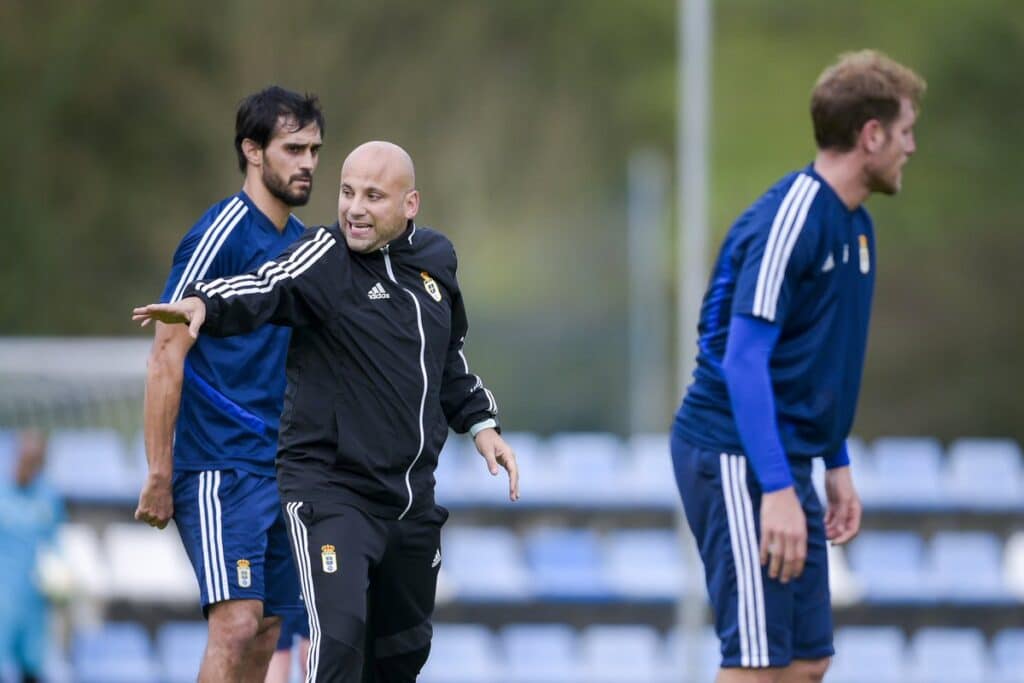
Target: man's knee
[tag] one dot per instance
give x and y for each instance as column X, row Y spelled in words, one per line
column 267, row 634
column 806, row 670
column 235, row 624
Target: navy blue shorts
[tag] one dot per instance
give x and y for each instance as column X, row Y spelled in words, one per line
column 293, row 626
column 233, row 527
column 760, row 621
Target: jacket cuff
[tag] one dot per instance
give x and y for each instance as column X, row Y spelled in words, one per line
column 489, row 423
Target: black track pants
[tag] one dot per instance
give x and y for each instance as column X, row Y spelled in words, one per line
column 369, row 586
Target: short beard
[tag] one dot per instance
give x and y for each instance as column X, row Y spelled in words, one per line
column 279, row 188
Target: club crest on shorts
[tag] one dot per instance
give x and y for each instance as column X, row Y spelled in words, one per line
column 244, row 573
column 431, row 286
column 328, row 559
column 865, row 256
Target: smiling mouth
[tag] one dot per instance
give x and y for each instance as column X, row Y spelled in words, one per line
column 359, row 229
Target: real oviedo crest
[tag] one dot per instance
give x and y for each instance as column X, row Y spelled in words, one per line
column 431, row 286
column 328, row 559
column 244, row 573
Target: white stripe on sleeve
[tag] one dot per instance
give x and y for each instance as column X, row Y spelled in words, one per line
column 210, row 243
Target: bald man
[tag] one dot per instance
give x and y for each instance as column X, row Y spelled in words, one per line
column 376, row 377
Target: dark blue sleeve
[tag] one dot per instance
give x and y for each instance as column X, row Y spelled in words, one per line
column 746, row 368
column 839, row 459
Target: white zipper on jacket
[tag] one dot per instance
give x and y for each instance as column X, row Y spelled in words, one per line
column 423, row 369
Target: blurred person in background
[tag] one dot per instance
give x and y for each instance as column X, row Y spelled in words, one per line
column 781, row 351
column 213, row 406
column 294, row 637
column 29, row 514
column 376, row 377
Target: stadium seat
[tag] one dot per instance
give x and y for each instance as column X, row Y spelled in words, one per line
column 621, row 654
column 114, row 653
column 967, row 567
column 868, row 653
column 949, row 655
column 1008, row 656
column 644, row 564
column 8, row 447
column 985, row 473
column 448, row 489
column 149, row 565
column 180, row 646
column 648, row 480
column 1014, row 567
column 474, row 486
column 462, row 653
column 587, row 468
column 691, row 662
column 908, row 472
column 565, row 564
column 89, row 465
column 844, row 586
column 485, row 564
column 79, row 545
column 890, row 566
column 540, row 653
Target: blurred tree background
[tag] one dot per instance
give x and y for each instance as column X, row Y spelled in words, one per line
column 521, row 114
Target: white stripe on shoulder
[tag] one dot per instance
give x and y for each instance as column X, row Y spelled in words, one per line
column 211, row 235
column 786, row 227
column 775, row 286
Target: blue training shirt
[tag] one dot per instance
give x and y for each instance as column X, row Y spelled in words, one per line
column 800, row 260
column 233, row 389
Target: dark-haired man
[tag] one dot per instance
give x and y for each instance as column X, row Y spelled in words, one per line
column 213, row 406
column 783, row 331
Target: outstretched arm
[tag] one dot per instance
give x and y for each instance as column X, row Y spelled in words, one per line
column 292, row 290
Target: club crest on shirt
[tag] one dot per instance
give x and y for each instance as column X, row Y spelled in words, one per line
column 244, row 573
column 328, row 559
column 865, row 256
column 431, row 286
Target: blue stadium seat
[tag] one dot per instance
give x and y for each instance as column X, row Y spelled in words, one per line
column 540, row 653
column 89, row 465
column 474, row 486
column 180, row 646
column 448, row 475
column 649, row 480
column 485, row 563
column 114, row 653
column 890, row 566
column 1008, row 656
column 588, row 468
column 967, row 567
column 985, row 473
column 462, row 653
column 949, row 655
column 566, row 565
column 909, row 472
column 868, row 653
column 8, row 447
column 644, row 564
column 621, row 654
column 707, row 652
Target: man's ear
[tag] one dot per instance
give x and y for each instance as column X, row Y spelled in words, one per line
column 412, row 204
column 253, row 152
column 873, row 136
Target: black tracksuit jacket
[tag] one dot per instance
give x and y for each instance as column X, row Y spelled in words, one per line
column 376, row 372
